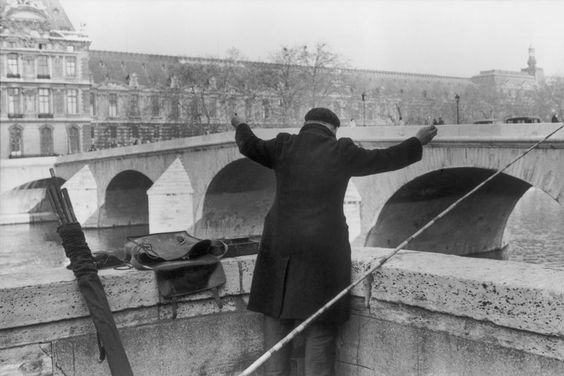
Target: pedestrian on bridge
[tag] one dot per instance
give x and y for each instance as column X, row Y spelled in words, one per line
column 305, row 256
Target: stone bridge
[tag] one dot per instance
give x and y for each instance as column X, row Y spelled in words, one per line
column 204, row 185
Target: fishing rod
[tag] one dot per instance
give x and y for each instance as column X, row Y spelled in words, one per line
column 257, row 363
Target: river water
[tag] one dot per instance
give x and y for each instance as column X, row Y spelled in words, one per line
column 534, row 232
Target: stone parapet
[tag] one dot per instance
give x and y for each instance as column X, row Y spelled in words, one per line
column 424, row 305
column 512, row 297
column 501, row 133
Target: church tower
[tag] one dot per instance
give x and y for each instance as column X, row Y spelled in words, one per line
column 531, row 62
column 532, row 69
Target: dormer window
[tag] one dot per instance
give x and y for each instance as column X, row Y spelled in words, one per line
column 173, row 82
column 133, row 80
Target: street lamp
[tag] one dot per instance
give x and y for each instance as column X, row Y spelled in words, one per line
column 457, row 99
column 363, row 96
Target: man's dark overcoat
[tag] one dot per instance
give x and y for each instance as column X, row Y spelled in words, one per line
column 305, row 256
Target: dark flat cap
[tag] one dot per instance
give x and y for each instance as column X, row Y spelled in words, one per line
column 322, row 115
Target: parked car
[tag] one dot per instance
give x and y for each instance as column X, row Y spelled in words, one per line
column 485, row 121
column 522, row 119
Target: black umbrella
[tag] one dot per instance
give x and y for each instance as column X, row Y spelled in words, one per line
column 89, row 284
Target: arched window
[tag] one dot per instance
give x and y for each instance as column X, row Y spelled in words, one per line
column 16, row 141
column 46, row 140
column 74, row 140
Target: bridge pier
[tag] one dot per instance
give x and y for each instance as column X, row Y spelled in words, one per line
column 83, row 193
column 171, row 201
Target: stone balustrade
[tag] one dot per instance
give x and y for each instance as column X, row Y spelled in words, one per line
column 422, row 314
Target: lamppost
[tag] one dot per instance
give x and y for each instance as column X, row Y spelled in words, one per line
column 363, row 96
column 457, row 99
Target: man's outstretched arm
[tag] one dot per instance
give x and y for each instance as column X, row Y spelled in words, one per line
column 362, row 162
column 251, row 146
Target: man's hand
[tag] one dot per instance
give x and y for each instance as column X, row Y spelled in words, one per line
column 235, row 121
column 426, row 134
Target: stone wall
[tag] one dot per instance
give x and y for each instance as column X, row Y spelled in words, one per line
column 422, row 314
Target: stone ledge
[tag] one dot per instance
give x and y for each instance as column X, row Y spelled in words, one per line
column 510, row 294
column 132, row 318
column 514, row 295
column 462, row 327
column 398, row 340
column 30, row 299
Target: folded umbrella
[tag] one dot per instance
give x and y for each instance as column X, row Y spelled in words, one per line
column 89, row 284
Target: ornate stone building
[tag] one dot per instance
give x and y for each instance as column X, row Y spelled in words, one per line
column 44, row 80
column 57, row 96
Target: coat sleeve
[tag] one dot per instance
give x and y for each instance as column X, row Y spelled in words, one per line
column 362, row 162
column 254, row 148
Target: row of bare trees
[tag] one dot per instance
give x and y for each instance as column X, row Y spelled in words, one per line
column 301, row 77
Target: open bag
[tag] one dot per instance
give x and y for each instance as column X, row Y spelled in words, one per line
column 183, row 264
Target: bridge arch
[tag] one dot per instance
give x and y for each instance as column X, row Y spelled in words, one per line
column 474, row 228
column 236, row 201
column 125, row 200
column 239, row 197
column 29, row 197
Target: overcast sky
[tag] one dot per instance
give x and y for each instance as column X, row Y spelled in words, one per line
column 454, row 38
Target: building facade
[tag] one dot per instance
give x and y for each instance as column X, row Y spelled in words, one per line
column 58, row 97
column 511, row 82
column 44, row 81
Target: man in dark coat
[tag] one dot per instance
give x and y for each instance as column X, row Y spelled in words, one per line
column 305, row 255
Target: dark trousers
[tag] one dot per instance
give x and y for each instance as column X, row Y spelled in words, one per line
column 319, row 338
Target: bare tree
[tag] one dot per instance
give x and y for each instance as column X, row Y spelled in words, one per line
column 321, row 69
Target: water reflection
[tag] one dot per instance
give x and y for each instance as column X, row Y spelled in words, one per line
column 535, row 233
column 535, row 230
column 33, row 246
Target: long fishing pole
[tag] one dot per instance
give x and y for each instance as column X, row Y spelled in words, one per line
column 257, row 363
